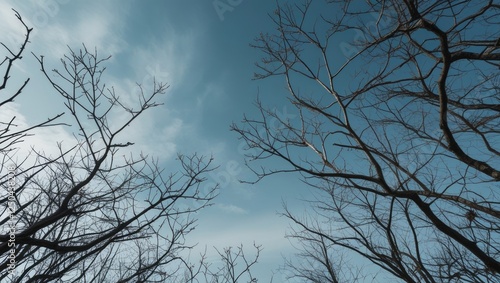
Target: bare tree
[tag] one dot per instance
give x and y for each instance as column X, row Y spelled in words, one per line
column 399, row 124
column 93, row 212
column 231, row 267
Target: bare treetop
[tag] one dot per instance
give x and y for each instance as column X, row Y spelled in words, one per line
column 91, row 213
column 399, row 118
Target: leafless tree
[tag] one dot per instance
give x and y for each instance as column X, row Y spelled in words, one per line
column 230, row 267
column 94, row 212
column 399, row 110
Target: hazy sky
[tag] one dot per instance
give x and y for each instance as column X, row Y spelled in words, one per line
column 201, row 49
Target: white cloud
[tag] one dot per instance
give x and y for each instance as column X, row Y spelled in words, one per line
column 12, row 30
column 155, row 140
column 157, row 130
column 45, row 138
column 102, row 30
column 154, row 132
column 230, row 208
column 56, row 25
column 166, row 59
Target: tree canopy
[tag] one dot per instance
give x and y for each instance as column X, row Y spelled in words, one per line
column 399, row 117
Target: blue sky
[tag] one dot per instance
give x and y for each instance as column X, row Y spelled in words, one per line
column 204, row 54
column 206, row 59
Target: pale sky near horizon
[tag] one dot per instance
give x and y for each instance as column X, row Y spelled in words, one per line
column 205, row 57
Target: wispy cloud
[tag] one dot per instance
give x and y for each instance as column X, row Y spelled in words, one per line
column 231, row 208
column 152, row 135
column 55, row 25
column 12, row 30
column 166, row 58
column 42, row 139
